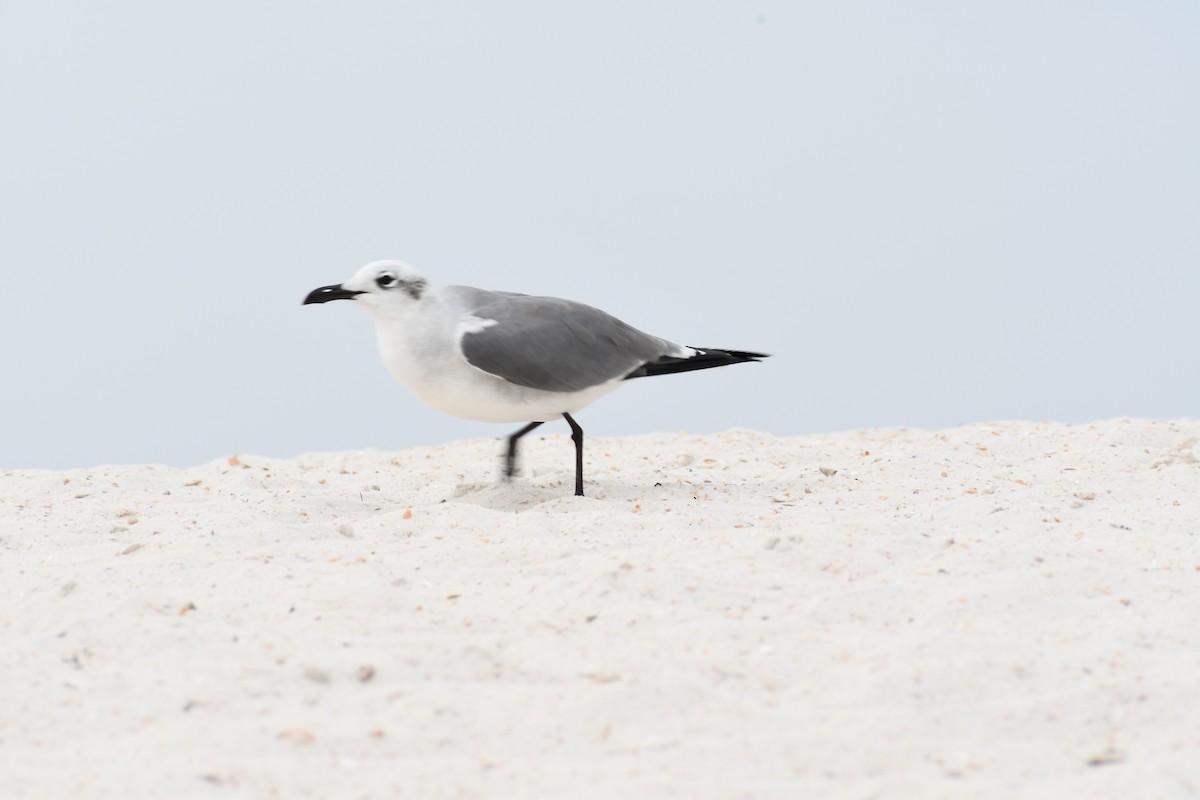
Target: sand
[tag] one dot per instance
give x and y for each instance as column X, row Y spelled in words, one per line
column 1007, row 609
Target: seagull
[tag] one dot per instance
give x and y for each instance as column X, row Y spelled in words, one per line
column 505, row 357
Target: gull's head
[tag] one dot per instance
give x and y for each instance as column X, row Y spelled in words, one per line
column 383, row 287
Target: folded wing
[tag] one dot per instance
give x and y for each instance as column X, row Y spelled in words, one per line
column 555, row 345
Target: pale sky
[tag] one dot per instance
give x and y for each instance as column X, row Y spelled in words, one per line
column 931, row 213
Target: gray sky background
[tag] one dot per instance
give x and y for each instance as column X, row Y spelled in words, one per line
column 930, row 212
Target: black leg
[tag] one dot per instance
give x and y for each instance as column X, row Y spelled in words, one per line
column 510, row 458
column 577, row 437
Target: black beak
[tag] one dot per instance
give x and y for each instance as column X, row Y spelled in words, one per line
column 327, row 293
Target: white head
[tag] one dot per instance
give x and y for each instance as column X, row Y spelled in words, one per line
column 384, row 288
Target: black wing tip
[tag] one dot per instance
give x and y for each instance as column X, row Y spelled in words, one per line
column 703, row 359
column 739, row 355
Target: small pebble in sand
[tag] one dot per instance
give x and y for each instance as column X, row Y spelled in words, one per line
column 1109, row 755
column 316, row 675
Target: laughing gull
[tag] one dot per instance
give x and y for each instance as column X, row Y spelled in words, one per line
column 504, row 357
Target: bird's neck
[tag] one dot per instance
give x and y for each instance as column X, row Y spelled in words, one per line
column 407, row 342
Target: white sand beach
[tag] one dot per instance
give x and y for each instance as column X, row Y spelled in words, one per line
column 998, row 610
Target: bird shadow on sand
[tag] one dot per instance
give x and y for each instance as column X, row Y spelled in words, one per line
column 524, row 494
column 515, row 495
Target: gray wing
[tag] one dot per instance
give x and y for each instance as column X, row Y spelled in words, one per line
column 554, row 345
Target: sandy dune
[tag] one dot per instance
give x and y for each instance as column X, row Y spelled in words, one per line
column 1009, row 609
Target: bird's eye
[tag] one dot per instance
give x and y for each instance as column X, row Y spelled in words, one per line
column 386, row 281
